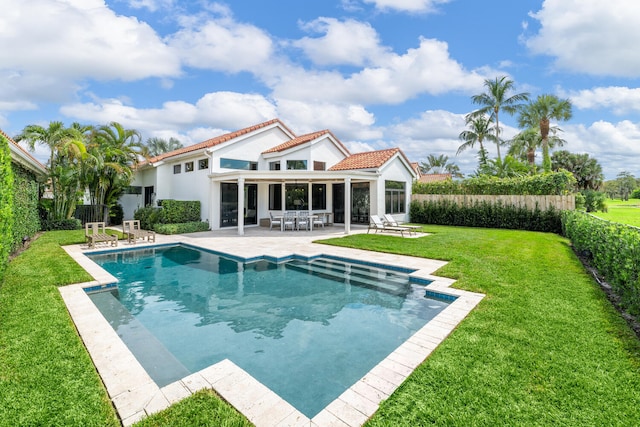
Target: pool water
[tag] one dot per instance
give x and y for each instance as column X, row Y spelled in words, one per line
column 307, row 329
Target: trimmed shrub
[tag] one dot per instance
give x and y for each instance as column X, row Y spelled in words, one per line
column 485, row 214
column 555, row 183
column 149, row 217
column 179, row 211
column 116, row 214
column 26, row 221
column 635, row 194
column 6, row 204
column 181, row 228
column 61, row 224
column 594, row 201
column 612, row 248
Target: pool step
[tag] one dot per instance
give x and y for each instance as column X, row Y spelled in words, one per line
column 388, row 282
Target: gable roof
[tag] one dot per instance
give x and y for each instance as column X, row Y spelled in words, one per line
column 23, row 157
column 368, row 160
column 217, row 140
column 302, row 139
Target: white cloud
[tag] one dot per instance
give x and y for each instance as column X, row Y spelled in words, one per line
column 344, row 42
column 590, row 36
column 425, row 69
column 345, row 121
column 221, row 43
column 226, row 110
column 620, row 100
column 407, row 5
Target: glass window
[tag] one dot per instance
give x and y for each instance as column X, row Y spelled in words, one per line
column 188, row 167
column 246, row 165
column 318, row 196
column 177, row 169
column 275, row 197
column 274, row 166
column 296, row 164
column 203, row 164
column 319, row 166
column 296, row 197
column 132, row 190
column 394, row 197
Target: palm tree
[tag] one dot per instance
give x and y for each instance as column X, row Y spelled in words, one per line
column 114, row 153
column 480, row 129
column 496, row 99
column 539, row 114
column 67, row 148
column 156, row 146
column 440, row 164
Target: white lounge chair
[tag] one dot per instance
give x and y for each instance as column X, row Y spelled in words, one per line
column 388, row 219
column 377, row 224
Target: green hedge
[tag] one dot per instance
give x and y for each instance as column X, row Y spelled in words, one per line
column 556, row 183
column 25, row 206
column 613, row 249
column 61, row 224
column 6, row 204
column 485, row 214
column 179, row 211
column 181, row 228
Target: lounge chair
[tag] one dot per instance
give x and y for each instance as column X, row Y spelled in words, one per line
column 132, row 230
column 377, row 224
column 388, row 219
column 274, row 221
column 95, row 232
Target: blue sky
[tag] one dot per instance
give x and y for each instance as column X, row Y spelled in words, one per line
column 378, row 73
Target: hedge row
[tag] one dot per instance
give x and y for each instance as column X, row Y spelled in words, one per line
column 485, row 214
column 25, row 206
column 613, row 249
column 6, row 204
column 178, row 211
column 181, row 228
column 556, row 183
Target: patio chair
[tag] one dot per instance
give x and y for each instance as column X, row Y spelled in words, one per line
column 388, row 219
column 318, row 220
column 274, row 221
column 289, row 220
column 303, row 220
column 132, row 230
column 377, row 224
column 95, row 232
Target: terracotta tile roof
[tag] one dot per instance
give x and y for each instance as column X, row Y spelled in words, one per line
column 215, row 141
column 434, row 177
column 302, row 139
column 367, row 160
column 25, row 152
column 416, row 168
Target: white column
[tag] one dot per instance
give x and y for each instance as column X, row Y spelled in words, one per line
column 309, row 197
column 240, row 206
column 347, row 205
column 283, row 197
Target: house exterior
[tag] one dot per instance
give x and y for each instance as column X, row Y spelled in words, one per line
column 243, row 176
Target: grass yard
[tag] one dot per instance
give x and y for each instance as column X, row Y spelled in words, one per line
column 544, row 347
column 624, row 212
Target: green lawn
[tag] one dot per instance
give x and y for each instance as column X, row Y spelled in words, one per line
column 543, row 348
column 624, row 212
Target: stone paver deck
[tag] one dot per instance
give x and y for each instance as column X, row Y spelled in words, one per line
column 135, row 395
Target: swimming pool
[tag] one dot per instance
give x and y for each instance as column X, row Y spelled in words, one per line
column 180, row 309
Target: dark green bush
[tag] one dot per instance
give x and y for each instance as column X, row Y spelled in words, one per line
column 594, row 201
column 485, row 214
column 635, row 194
column 181, row 228
column 6, row 204
column 149, row 217
column 613, row 249
column 26, row 221
column 116, row 214
column 61, row 224
column 179, row 211
column 555, row 183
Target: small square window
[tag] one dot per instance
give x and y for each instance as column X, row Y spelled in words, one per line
column 203, row 164
column 177, row 169
column 319, row 166
column 188, row 167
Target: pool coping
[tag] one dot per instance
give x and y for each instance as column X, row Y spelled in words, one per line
column 135, row 395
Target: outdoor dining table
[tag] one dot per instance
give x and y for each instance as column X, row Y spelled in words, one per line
column 311, row 217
